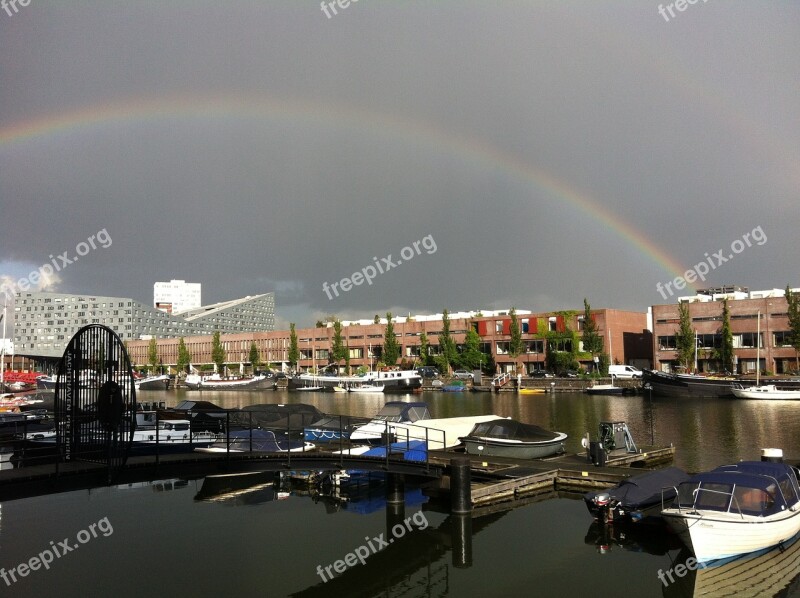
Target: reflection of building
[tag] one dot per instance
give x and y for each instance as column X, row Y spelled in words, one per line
column 705, row 310
column 553, row 331
column 45, row 322
column 176, row 296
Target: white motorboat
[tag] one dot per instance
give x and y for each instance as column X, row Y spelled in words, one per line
column 736, row 509
column 367, row 388
column 767, row 391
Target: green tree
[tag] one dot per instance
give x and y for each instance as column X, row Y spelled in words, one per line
column 592, row 341
column 684, row 336
column 471, row 356
column 152, row 353
column 793, row 310
column 294, row 352
column 338, row 351
column 424, row 349
column 218, row 355
column 726, row 350
column 184, row 356
column 447, row 346
column 391, row 348
column 254, row 358
column 376, row 319
column 515, row 344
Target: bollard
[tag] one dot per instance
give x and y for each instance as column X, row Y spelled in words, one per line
column 460, row 488
column 395, row 489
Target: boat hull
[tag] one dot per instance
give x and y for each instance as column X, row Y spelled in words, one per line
column 392, row 382
column 674, row 385
column 769, row 392
column 714, row 536
column 519, row 450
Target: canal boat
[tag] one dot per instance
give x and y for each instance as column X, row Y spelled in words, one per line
column 402, row 381
column 153, row 383
column 736, row 509
column 511, row 438
column 637, row 497
column 393, row 412
column 687, row 385
column 767, row 391
column 215, row 382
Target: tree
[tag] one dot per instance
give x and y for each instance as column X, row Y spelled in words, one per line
column 376, row 319
column 152, row 353
column 447, row 347
column 424, row 349
column 218, row 355
column 471, row 356
column 391, row 348
column 684, row 336
column 338, row 351
column 254, row 358
column 184, row 356
column 793, row 310
column 726, row 350
column 515, row 344
column 592, row 341
column 294, row 352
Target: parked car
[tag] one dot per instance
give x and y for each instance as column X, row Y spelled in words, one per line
column 624, row 371
column 462, row 375
column 569, row 374
column 541, row 374
column 428, row 372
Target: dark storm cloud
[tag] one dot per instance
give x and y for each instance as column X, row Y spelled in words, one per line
column 393, row 121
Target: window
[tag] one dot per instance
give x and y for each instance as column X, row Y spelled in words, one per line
column 667, row 343
column 782, row 339
column 746, row 340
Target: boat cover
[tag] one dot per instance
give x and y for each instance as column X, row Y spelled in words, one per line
column 511, row 429
column 292, row 417
column 263, row 441
column 401, row 411
column 645, row 488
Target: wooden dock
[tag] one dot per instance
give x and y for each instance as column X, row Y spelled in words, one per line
column 499, row 479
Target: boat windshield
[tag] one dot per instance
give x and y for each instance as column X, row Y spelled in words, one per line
column 734, row 498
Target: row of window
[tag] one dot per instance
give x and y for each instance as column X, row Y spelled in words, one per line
column 744, row 340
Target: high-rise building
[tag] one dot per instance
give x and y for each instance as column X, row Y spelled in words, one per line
column 176, row 296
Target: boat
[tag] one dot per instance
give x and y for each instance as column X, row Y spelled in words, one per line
column 153, row 383
column 609, row 389
column 216, row 382
column 455, row 386
column 367, row 388
column 256, row 440
column 736, row 509
column 531, row 391
column 767, row 391
column 284, row 417
column 511, row 438
column 173, row 432
column 393, row 412
column 332, row 427
column 687, row 385
column 402, row 381
column 635, row 498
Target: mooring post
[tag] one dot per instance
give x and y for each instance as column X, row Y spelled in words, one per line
column 460, row 486
column 395, row 489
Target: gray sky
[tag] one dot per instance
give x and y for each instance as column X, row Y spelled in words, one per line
column 551, row 150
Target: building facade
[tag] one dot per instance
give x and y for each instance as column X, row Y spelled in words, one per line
column 630, row 340
column 177, row 296
column 759, row 325
column 45, row 322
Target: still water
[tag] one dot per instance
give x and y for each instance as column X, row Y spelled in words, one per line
column 164, row 539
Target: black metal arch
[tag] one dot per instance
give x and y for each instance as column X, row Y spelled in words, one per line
column 94, row 393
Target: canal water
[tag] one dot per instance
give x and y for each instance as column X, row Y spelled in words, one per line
column 175, row 537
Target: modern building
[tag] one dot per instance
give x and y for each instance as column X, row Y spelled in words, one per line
column 757, row 319
column 177, row 296
column 45, row 322
column 626, row 332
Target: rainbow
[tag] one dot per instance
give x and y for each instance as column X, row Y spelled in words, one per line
column 135, row 111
